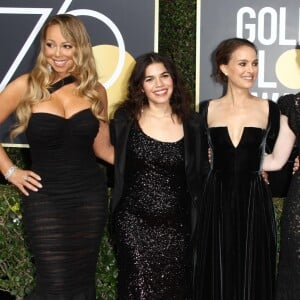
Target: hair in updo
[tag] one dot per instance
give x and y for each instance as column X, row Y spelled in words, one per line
column 223, row 54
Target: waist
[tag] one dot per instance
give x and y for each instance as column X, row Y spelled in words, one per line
column 240, row 171
column 68, row 173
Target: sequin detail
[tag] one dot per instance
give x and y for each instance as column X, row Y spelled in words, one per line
column 152, row 221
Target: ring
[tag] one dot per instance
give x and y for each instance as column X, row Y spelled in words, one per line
column 25, row 178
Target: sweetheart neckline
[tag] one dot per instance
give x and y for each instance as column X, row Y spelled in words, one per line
column 61, row 117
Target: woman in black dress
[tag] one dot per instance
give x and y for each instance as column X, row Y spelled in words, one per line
column 237, row 231
column 61, row 107
column 288, row 281
column 156, row 139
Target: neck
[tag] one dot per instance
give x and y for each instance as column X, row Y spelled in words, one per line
column 238, row 96
column 157, row 112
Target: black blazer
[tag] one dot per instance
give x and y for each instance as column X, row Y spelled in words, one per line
column 119, row 131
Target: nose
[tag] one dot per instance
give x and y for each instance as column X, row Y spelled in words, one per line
column 158, row 81
column 250, row 68
column 57, row 51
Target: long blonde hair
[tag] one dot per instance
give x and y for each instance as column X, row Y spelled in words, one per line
column 84, row 71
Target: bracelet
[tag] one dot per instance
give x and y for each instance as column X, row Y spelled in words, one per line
column 10, row 171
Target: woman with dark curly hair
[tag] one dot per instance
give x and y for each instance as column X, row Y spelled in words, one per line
column 157, row 146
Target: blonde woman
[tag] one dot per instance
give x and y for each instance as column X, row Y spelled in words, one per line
column 61, row 107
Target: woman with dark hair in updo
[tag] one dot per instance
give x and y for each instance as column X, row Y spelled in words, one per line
column 237, row 230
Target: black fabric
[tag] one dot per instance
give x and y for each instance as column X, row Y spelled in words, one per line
column 288, row 281
column 194, row 161
column 152, row 221
column 57, row 85
column 237, row 229
column 64, row 220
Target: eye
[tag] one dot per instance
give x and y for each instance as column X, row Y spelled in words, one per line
column 148, row 79
column 49, row 45
column 166, row 75
column 255, row 64
column 242, row 64
column 68, row 46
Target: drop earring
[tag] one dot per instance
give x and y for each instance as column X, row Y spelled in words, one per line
column 49, row 68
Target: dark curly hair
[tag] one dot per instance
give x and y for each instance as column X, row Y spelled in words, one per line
column 180, row 100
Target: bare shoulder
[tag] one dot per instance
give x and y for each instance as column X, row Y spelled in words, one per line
column 101, row 89
column 261, row 103
column 12, row 95
column 16, row 89
column 260, row 100
column 21, row 81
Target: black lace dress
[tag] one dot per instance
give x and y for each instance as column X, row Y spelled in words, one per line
column 237, row 229
column 64, row 220
column 288, row 282
column 151, row 222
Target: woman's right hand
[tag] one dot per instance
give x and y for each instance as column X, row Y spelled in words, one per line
column 25, row 180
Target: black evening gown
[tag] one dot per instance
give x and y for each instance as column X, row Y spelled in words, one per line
column 236, row 258
column 151, row 223
column 288, row 281
column 64, row 220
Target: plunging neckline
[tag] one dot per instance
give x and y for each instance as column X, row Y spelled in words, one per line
column 235, row 146
column 242, row 135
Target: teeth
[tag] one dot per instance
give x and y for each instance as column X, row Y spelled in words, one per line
column 160, row 92
column 60, row 62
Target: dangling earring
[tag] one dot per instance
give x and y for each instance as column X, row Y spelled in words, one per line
column 49, row 68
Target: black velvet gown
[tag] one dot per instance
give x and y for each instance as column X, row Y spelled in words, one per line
column 288, row 282
column 151, row 222
column 237, row 231
column 64, row 220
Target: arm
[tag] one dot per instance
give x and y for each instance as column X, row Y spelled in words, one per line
column 102, row 145
column 282, row 149
column 10, row 98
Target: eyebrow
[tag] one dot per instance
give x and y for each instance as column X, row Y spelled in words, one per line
column 165, row 72
column 246, row 60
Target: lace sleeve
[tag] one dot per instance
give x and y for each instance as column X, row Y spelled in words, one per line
column 289, row 106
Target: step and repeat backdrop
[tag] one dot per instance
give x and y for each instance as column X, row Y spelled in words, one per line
column 273, row 26
column 119, row 31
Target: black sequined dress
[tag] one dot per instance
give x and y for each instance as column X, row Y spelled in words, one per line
column 288, row 282
column 64, row 220
column 151, row 222
column 237, row 229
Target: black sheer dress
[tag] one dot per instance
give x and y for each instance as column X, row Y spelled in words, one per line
column 151, row 223
column 237, row 230
column 288, row 282
column 64, row 220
